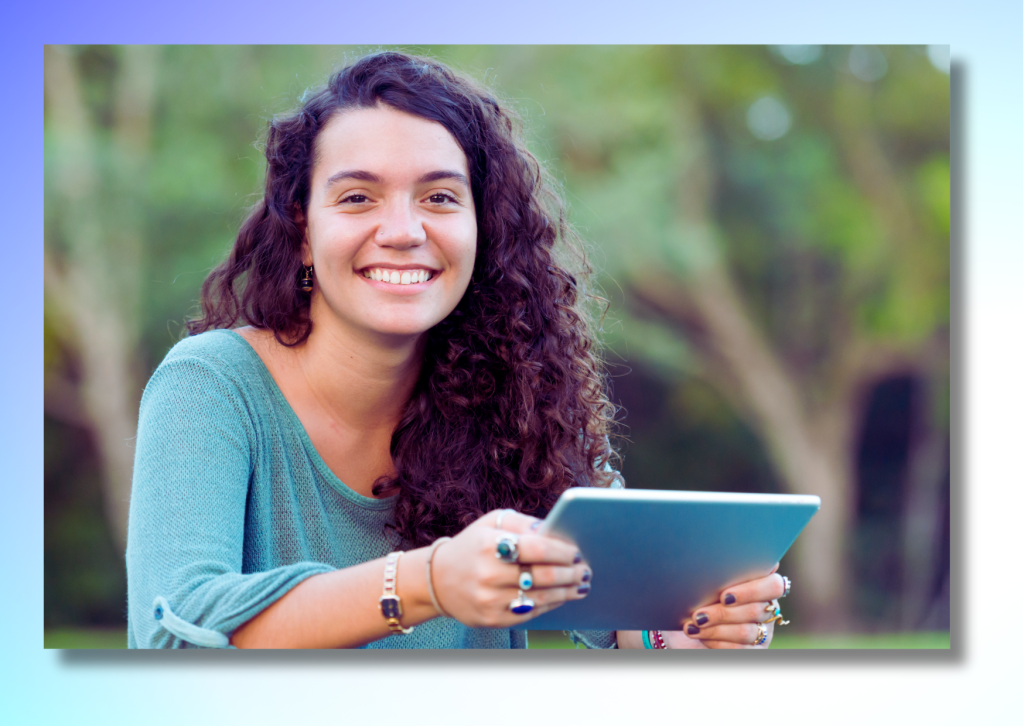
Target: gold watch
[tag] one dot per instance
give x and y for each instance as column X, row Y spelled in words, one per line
column 390, row 603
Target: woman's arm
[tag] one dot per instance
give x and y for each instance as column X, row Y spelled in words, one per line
column 193, row 462
column 186, row 585
column 340, row 609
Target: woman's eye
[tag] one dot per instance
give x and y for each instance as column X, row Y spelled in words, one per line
column 438, row 198
column 356, row 199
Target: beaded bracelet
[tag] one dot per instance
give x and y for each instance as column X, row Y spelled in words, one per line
column 653, row 640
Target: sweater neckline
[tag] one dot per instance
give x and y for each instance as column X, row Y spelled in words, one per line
column 300, row 431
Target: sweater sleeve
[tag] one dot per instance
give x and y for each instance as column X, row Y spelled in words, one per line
column 193, row 462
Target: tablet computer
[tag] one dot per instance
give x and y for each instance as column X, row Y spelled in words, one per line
column 657, row 555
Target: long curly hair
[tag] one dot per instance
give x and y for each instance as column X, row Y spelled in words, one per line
column 511, row 406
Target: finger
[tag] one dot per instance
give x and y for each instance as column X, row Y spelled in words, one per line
column 511, row 520
column 756, row 612
column 539, row 610
column 557, row 595
column 763, row 589
column 725, row 645
column 742, row 634
column 545, row 576
column 535, row 548
column 543, row 601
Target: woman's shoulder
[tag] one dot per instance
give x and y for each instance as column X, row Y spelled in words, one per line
column 222, row 354
column 224, row 350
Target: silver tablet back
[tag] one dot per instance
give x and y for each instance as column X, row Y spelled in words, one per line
column 657, row 555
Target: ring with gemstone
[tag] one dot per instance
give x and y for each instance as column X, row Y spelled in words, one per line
column 776, row 611
column 521, row 605
column 787, row 583
column 507, row 549
column 762, row 634
column 501, row 516
column 525, row 580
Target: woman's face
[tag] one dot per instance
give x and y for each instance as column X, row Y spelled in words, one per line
column 390, row 228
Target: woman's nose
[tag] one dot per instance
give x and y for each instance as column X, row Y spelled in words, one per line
column 401, row 227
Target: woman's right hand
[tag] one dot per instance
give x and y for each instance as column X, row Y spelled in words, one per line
column 476, row 588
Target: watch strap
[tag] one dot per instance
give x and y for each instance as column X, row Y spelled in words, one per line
column 390, row 603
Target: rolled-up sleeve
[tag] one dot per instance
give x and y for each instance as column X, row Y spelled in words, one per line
column 193, row 464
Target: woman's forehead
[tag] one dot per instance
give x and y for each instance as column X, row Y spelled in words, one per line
column 385, row 142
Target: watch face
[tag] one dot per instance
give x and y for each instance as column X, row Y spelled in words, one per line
column 390, row 606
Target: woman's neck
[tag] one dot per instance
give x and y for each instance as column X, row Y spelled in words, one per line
column 361, row 381
column 348, row 393
column 357, row 383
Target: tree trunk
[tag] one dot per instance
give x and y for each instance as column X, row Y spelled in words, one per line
column 95, row 285
column 811, row 451
column 928, row 459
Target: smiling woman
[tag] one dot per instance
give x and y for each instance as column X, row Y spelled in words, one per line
column 391, row 357
column 390, row 200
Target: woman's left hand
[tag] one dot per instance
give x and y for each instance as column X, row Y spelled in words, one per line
column 733, row 621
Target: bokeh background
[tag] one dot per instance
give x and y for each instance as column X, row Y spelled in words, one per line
column 770, row 226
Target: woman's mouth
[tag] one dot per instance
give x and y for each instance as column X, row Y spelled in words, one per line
column 397, row 277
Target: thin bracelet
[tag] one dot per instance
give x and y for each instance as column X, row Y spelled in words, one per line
column 430, row 577
column 647, row 641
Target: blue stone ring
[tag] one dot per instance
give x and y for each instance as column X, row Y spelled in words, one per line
column 507, row 549
column 521, row 605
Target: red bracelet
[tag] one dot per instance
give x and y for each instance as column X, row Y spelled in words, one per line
column 658, row 640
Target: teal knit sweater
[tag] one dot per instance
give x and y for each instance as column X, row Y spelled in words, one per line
column 232, row 507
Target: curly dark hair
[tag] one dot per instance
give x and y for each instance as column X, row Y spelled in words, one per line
column 511, row 406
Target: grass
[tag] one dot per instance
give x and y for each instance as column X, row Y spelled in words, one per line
column 86, row 638
column 115, row 639
column 887, row 641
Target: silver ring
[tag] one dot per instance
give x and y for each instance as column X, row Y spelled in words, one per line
column 762, row 634
column 525, row 580
column 787, row 583
column 522, row 604
column 501, row 516
column 507, row 549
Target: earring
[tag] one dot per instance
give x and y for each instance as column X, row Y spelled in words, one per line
column 306, row 283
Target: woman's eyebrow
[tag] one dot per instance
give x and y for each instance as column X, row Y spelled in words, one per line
column 433, row 176
column 369, row 176
column 366, row 176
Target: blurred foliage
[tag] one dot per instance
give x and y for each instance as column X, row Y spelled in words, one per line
column 835, row 230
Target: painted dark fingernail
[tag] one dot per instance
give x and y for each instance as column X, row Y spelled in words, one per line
column 578, row 558
column 692, row 630
column 730, row 599
column 701, row 619
column 584, row 589
column 586, row 576
column 536, row 525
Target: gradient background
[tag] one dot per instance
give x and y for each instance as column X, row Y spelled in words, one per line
column 978, row 680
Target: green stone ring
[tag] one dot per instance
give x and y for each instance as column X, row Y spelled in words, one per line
column 507, row 549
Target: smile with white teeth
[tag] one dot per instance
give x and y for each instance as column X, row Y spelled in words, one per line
column 397, row 277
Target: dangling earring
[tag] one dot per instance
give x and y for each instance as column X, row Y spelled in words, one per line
column 306, row 283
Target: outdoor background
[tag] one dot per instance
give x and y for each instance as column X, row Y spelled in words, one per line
column 771, row 226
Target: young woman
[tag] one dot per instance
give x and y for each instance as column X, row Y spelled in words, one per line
column 414, row 373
